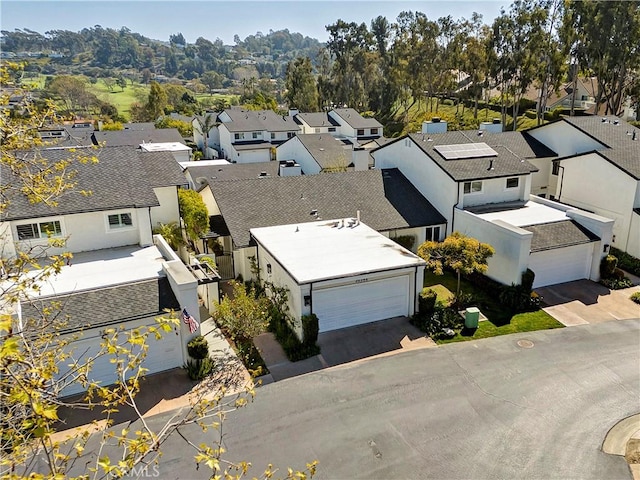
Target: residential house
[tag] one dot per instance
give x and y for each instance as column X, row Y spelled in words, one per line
column 135, row 138
column 322, row 152
column 127, row 193
column 317, row 122
column 75, row 135
column 483, row 188
column 598, row 170
column 354, row 126
column 386, row 200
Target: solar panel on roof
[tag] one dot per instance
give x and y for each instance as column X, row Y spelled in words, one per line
column 465, row 150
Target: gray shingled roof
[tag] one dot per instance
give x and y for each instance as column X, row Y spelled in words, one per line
column 386, row 202
column 317, row 119
column 259, row 121
column 325, row 149
column 123, row 178
column 355, row 120
column 234, row 171
column 506, row 163
column 565, row 233
column 622, row 151
column 110, row 305
column 137, row 137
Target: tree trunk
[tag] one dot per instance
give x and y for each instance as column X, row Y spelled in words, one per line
column 458, row 287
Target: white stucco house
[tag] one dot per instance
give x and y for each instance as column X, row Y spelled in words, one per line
column 482, row 185
column 354, row 126
column 598, row 170
column 341, row 270
column 120, row 273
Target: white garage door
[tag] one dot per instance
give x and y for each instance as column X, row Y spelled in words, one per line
column 355, row 304
column 162, row 354
column 561, row 264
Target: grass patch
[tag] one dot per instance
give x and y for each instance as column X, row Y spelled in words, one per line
column 444, row 295
column 121, row 99
column 521, row 322
column 500, row 321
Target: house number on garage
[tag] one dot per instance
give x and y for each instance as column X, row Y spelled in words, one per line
column 362, row 280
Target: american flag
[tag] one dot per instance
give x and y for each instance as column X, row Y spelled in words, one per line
column 190, row 321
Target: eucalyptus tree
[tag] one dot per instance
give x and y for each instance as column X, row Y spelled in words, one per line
column 301, row 90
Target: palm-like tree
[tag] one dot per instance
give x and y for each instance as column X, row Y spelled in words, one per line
column 204, row 126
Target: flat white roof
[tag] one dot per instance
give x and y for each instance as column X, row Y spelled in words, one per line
column 532, row 213
column 164, row 147
column 102, row 268
column 328, row 249
column 203, row 163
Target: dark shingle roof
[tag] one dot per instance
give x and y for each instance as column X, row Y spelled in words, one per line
column 355, row 120
column 266, row 202
column 123, row 178
column 234, row 171
column 615, row 134
column 137, row 137
column 317, row 119
column 131, row 301
column 507, row 162
column 259, row 120
column 325, row 149
column 565, row 233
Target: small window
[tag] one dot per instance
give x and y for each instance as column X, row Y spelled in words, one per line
column 332, row 129
column 556, row 168
column 472, row 187
column 290, row 134
column 374, row 131
column 120, row 220
column 360, row 132
column 236, row 136
column 433, row 234
column 317, row 130
column 32, row 231
column 513, row 182
column 273, row 136
column 254, row 135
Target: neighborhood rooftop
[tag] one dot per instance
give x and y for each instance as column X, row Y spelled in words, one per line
column 137, row 137
column 258, row 120
column 316, row 119
column 326, row 150
column 355, row 120
column 333, row 248
column 564, row 233
column 123, row 177
column 232, row 171
column 386, row 201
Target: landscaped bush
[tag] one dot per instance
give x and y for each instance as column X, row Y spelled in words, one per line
column 528, row 277
column 607, row 266
column 427, row 301
column 293, row 347
column 635, row 297
column 200, row 368
column 310, row 329
column 627, row 262
column 486, row 284
column 616, row 284
column 198, row 348
column 463, row 300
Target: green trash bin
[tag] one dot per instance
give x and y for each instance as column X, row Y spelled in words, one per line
column 471, row 317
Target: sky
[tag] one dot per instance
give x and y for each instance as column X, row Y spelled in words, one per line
column 223, row 19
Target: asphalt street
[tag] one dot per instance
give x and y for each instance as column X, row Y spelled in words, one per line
column 497, row 408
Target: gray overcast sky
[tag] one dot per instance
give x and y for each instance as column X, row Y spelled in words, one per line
column 223, row 19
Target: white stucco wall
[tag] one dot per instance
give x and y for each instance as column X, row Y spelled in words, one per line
column 633, row 244
column 542, row 179
column 90, row 231
column 602, row 228
column 343, row 129
column 564, row 139
column 295, row 150
column 249, row 156
column 512, row 245
column 168, row 210
column 430, row 180
column 241, row 263
column 209, row 201
column 592, row 183
column 494, row 190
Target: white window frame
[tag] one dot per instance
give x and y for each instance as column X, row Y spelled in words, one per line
column 431, row 231
column 316, row 130
column 254, row 135
column 238, row 136
column 273, row 136
column 40, row 231
column 121, row 225
column 332, row 129
column 517, row 185
column 473, row 190
column 360, row 132
column 374, row 131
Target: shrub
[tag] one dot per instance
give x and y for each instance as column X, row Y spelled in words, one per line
column 616, row 284
column 627, row 262
column 528, row 277
column 293, row 347
column 200, row 368
column 607, row 266
column 406, row 241
column 440, row 319
column 635, row 297
column 310, row 329
column 427, row 301
column 198, row 348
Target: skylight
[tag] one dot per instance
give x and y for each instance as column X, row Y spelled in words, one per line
column 465, row 150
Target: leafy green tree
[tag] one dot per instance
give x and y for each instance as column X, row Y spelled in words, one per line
column 203, row 127
column 156, row 101
column 458, row 252
column 185, row 129
column 301, row 87
column 121, row 82
column 212, row 80
column 194, row 213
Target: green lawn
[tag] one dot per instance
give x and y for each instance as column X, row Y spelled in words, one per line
column 499, row 320
column 122, row 100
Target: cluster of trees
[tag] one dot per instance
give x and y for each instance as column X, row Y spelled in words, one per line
column 390, row 66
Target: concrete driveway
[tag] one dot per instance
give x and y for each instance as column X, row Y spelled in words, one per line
column 337, row 347
column 584, row 301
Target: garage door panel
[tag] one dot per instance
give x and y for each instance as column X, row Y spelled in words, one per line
column 561, row 264
column 345, row 306
column 162, row 354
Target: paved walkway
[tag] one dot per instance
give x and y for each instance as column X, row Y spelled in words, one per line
column 583, row 301
column 387, row 337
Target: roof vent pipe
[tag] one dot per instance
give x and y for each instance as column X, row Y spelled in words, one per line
column 490, row 165
column 633, row 137
column 358, row 217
